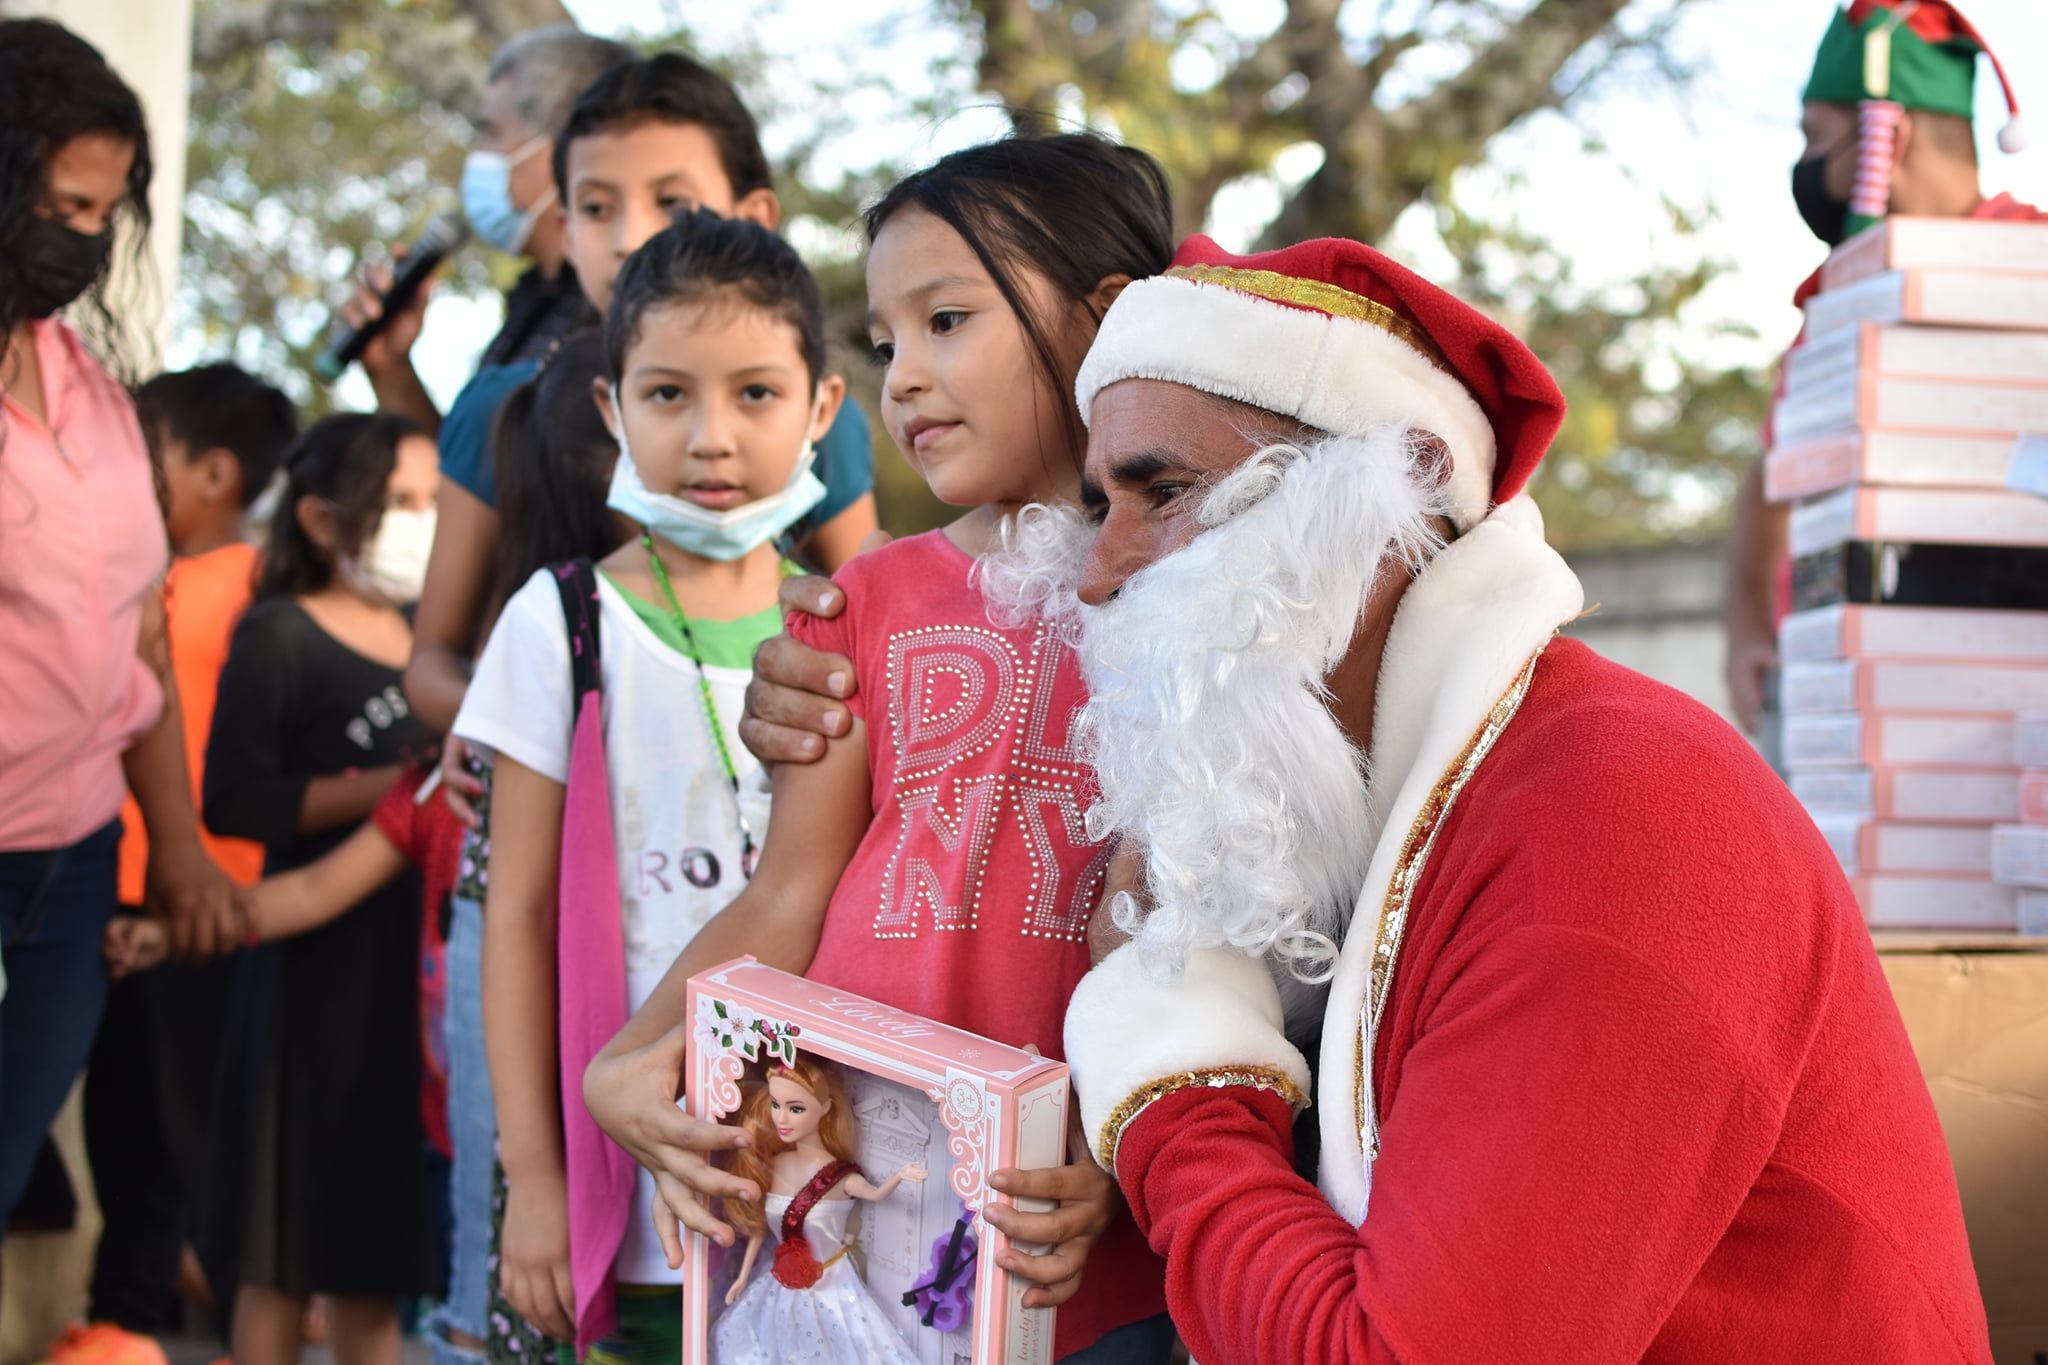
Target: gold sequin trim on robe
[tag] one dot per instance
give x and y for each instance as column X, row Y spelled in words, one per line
column 1216, row 1078
column 1386, row 945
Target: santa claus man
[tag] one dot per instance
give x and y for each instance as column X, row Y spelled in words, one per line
column 1604, row 1064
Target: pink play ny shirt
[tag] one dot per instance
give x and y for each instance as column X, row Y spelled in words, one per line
column 969, row 898
column 81, row 545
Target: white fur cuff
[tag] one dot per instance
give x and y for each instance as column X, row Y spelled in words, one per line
column 1132, row 1038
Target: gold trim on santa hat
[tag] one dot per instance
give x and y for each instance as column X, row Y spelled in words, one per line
column 1318, row 295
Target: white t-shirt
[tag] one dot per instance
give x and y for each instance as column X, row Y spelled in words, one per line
column 672, row 807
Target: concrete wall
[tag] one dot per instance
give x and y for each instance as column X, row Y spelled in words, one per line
column 1658, row 611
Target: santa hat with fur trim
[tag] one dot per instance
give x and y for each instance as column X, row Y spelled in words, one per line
column 1343, row 339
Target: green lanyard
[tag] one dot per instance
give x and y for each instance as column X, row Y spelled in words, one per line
column 732, row 772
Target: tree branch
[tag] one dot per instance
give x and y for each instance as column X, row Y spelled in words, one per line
column 1015, row 65
column 1415, row 147
column 233, row 28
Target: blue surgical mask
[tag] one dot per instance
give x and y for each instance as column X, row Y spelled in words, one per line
column 487, row 198
column 700, row 531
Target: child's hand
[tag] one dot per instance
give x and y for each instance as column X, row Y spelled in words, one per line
column 1088, row 1200
column 534, row 1255
column 134, row 943
column 632, row 1095
column 460, row 788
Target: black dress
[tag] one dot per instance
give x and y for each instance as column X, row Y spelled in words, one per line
column 317, row 1180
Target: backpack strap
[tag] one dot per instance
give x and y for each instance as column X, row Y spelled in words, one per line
column 576, row 580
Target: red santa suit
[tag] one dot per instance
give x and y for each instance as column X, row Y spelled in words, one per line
column 1608, row 1068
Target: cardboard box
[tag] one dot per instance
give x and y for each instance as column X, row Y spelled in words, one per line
column 921, row 1091
column 1798, row 469
column 1898, row 901
column 1925, row 633
column 1944, row 516
column 1865, row 846
column 1849, row 685
column 1912, row 796
column 1907, row 739
column 1875, row 402
column 1919, row 353
column 1903, row 240
column 1948, row 298
column 1979, row 1024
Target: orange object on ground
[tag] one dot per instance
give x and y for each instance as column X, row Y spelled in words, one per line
column 102, row 1343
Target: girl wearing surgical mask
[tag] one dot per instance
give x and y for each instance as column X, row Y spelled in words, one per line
column 318, row 1184
column 624, row 811
column 318, row 1181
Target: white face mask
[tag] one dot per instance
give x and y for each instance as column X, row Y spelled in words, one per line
column 393, row 566
column 487, row 198
column 727, row 535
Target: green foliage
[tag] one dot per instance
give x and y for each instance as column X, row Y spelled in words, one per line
column 1655, row 441
column 313, row 122
column 307, row 156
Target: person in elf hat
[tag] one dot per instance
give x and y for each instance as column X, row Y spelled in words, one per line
column 1888, row 130
column 1607, row 1068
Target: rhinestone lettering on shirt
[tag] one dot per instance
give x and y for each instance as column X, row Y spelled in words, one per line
column 966, row 697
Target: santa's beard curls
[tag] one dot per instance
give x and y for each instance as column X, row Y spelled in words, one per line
column 1208, row 721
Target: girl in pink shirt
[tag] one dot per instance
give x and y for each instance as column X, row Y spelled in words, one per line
column 87, row 703
column 935, row 858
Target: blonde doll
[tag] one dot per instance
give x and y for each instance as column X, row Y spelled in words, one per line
column 812, row 1305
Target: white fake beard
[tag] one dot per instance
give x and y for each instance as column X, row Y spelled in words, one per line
column 1208, row 721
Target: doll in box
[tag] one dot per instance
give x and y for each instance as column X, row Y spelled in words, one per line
column 812, row 1304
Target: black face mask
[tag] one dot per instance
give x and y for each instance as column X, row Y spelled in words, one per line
column 1826, row 215
column 55, row 265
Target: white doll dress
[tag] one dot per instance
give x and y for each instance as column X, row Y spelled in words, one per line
column 834, row 1322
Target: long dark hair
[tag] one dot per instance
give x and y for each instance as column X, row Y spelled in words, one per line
column 554, row 460
column 55, row 86
column 1074, row 207
column 345, row 461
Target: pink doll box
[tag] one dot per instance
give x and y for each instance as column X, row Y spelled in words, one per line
column 921, row 1091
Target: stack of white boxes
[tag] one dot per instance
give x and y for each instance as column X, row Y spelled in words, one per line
column 2019, row 853
column 1919, row 628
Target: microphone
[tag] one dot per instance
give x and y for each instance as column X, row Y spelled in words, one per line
column 442, row 235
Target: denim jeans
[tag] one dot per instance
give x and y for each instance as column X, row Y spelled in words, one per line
column 472, row 1132
column 1148, row 1341
column 54, row 907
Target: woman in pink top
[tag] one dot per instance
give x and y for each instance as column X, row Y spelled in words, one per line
column 87, row 707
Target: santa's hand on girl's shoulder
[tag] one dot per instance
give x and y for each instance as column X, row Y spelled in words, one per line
column 794, row 702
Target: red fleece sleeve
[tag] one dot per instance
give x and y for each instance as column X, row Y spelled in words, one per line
column 1572, row 1131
